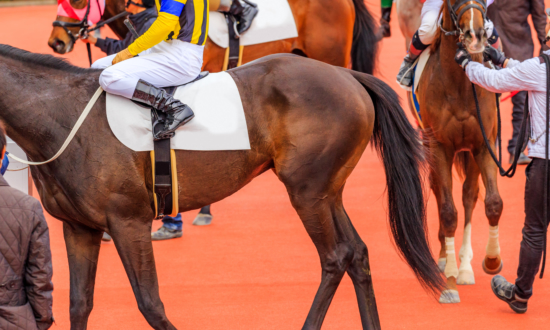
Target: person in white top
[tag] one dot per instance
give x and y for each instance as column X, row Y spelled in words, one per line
column 529, row 76
column 424, row 37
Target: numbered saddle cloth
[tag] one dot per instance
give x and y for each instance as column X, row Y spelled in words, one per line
column 219, row 122
column 273, row 22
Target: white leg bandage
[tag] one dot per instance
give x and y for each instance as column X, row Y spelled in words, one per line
column 493, row 248
column 451, row 268
column 466, row 252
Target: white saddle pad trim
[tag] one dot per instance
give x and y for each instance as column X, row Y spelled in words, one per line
column 219, row 122
column 420, row 65
column 273, row 22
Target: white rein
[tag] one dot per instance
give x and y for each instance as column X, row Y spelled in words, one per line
column 71, row 135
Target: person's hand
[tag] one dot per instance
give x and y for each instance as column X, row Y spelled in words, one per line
column 462, row 56
column 494, row 55
column 122, row 56
column 90, row 40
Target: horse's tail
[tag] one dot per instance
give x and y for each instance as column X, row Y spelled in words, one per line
column 403, row 156
column 365, row 43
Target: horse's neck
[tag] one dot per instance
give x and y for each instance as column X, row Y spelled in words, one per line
column 38, row 108
column 113, row 8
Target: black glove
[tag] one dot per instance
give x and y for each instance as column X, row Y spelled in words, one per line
column 462, row 56
column 494, row 55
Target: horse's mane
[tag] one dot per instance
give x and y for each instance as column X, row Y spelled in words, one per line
column 43, row 60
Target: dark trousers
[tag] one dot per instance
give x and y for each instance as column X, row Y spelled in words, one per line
column 534, row 229
column 518, row 101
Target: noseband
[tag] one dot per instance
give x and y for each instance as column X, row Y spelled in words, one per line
column 478, row 5
column 82, row 25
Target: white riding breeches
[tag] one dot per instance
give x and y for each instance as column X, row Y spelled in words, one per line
column 429, row 18
column 166, row 64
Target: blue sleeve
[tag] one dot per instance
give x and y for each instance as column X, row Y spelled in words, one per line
column 172, row 7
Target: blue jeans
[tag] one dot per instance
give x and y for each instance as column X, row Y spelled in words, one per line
column 173, row 223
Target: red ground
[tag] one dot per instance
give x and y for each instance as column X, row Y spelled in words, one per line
column 256, row 268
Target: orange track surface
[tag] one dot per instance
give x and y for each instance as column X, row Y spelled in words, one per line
column 256, row 268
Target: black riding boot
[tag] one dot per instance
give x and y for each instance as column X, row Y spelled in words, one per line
column 385, row 30
column 178, row 114
column 245, row 12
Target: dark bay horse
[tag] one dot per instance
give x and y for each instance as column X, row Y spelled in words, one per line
column 308, row 121
column 337, row 32
column 452, row 131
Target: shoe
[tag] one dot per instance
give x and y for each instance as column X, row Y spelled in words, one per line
column 522, row 160
column 165, row 233
column 504, row 291
column 406, row 72
column 178, row 114
column 106, row 237
column 244, row 11
column 385, row 29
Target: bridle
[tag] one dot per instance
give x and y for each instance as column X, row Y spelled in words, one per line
column 480, row 5
column 84, row 25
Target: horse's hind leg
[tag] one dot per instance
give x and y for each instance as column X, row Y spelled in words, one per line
column 360, row 274
column 441, row 181
column 470, row 191
column 492, row 263
column 132, row 239
column 83, row 245
column 315, row 205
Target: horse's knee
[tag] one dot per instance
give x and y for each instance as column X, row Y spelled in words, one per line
column 493, row 207
column 448, row 218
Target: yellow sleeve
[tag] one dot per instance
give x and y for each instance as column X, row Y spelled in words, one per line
column 159, row 31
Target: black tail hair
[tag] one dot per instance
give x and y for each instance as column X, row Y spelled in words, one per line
column 399, row 145
column 365, row 43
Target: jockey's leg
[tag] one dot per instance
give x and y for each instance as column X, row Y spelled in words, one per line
column 245, row 12
column 142, row 79
column 422, row 39
column 385, row 30
column 104, row 63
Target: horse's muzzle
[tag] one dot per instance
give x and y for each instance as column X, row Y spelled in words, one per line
column 474, row 41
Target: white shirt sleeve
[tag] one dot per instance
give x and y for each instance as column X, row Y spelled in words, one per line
column 529, row 75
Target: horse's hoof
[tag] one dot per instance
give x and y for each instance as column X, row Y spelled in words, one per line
column 202, row 219
column 449, row 297
column 492, row 266
column 465, row 277
column 441, row 263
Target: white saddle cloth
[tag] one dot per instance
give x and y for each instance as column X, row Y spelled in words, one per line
column 219, row 122
column 420, row 65
column 273, row 22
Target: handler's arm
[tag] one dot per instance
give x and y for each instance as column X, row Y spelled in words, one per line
column 526, row 76
column 166, row 22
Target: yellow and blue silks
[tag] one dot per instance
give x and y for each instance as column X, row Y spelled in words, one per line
column 185, row 20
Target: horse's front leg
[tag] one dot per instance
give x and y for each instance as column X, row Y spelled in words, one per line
column 83, row 245
column 492, row 264
column 132, row 238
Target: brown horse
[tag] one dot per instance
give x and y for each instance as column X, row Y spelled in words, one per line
column 307, row 121
column 338, row 32
column 452, row 132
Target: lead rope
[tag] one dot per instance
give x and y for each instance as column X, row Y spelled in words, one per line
column 512, row 170
column 71, row 135
column 545, row 213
